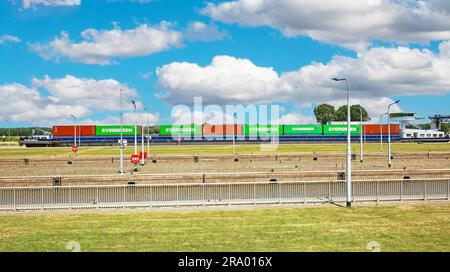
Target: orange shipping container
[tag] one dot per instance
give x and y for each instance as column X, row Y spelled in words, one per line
column 62, row 131
column 377, row 129
column 222, row 129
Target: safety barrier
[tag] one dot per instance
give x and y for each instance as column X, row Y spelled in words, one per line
column 207, row 194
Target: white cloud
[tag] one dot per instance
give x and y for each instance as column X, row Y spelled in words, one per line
column 374, row 76
column 32, row 3
column 102, row 47
column 199, row 31
column 296, row 118
column 225, row 80
column 95, row 94
column 67, row 95
column 444, row 49
column 349, row 23
column 9, row 38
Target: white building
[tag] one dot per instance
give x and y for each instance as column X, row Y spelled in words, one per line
column 422, row 133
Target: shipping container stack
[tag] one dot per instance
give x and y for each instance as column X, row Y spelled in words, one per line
column 110, row 134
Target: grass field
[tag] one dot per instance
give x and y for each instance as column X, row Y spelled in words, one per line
column 217, row 149
column 397, row 228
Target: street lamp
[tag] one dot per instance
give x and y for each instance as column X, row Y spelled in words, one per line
column 234, row 134
column 361, row 151
column 74, row 129
column 9, row 131
column 121, row 133
column 389, row 131
column 148, row 131
column 349, row 158
column 142, row 138
column 381, row 131
column 135, row 134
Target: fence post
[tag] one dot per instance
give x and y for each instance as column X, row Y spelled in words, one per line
column 329, row 191
column 378, row 190
column 42, row 198
column 203, row 194
column 353, row 184
column 401, row 190
column 70, row 197
column 424, row 190
column 124, row 196
column 96, row 198
column 150, row 188
column 229, row 194
column 279, row 193
column 304, row 192
column 14, row 198
column 254, row 193
column 178, row 201
column 448, row 189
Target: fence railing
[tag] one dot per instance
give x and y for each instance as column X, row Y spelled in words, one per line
column 206, row 194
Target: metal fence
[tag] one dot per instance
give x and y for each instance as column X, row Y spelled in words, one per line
column 207, row 194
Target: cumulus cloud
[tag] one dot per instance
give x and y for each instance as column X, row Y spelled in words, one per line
column 33, row 3
column 67, row 95
column 374, row 76
column 199, row 31
column 9, row 38
column 225, row 80
column 95, row 94
column 349, row 23
column 103, row 46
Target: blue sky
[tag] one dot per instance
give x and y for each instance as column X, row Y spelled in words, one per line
column 282, row 45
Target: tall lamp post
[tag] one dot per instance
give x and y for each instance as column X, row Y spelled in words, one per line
column 142, row 138
column 148, row 131
column 9, row 131
column 234, row 134
column 389, row 132
column 361, row 150
column 121, row 132
column 135, row 134
column 74, row 129
column 349, row 158
column 381, row 131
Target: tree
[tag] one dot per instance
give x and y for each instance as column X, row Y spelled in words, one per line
column 324, row 113
column 445, row 127
column 341, row 113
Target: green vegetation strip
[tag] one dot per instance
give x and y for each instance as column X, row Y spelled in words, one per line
column 216, row 149
column 397, row 228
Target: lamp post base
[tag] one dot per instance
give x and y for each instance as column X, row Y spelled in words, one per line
column 349, row 204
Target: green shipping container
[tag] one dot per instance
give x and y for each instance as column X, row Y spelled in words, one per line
column 115, row 130
column 180, row 130
column 302, row 129
column 341, row 129
column 263, row 129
